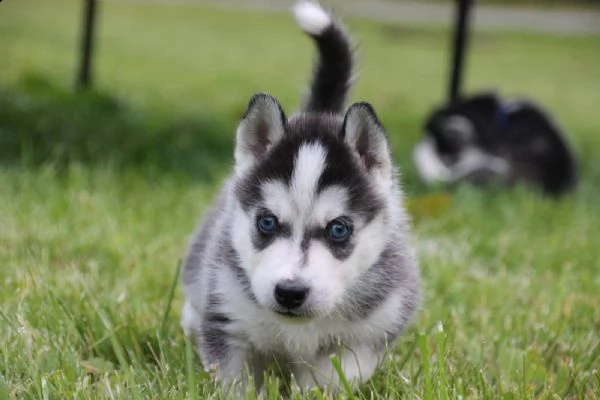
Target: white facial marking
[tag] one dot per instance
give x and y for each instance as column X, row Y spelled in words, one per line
column 278, row 200
column 309, row 166
column 278, row 262
column 331, row 203
column 293, row 204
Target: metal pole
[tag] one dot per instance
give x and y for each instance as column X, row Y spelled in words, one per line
column 84, row 76
column 459, row 44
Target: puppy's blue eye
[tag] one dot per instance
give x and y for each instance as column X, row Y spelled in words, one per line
column 268, row 224
column 338, row 231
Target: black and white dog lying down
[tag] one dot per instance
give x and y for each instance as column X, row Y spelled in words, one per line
column 481, row 139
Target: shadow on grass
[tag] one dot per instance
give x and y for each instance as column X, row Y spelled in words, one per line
column 41, row 123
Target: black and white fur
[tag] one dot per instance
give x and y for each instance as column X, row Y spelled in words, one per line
column 482, row 139
column 308, row 171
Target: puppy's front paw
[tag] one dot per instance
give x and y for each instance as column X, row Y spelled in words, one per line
column 357, row 366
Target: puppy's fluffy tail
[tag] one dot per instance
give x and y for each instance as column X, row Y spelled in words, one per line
column 333, row 73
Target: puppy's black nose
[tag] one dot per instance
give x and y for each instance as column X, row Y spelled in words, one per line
column 290, row 293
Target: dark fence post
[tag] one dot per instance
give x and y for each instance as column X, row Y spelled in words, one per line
column 459, row 44
column 84, row 75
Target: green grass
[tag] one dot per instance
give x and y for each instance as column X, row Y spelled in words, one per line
column 99, row 192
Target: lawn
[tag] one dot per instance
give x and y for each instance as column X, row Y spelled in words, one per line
column 100, row 191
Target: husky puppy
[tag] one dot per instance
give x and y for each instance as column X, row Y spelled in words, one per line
column 305, row 252
column 481, row 139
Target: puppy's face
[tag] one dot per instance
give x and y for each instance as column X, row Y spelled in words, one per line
column 311, row 212
column 451, row 134
column 455, row 128
column 460, row 142
column 447, row 137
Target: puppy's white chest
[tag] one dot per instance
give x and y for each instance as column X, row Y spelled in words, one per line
column 300, row 340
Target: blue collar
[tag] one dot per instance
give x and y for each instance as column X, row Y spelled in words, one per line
column 501, row 117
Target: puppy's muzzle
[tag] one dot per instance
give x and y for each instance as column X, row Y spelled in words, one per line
column 291, row 293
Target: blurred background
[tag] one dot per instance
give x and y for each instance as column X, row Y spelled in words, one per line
column 100, row 187
column 179, row 73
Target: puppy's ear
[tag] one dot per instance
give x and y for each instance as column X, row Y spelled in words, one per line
column 261, row 127
column 364, row 134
